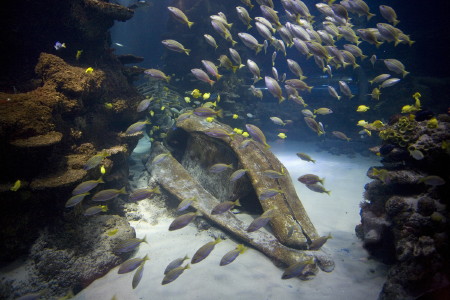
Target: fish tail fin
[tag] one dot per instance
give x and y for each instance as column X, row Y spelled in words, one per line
column 313, row 161
column 339, row 97
column 396, row 22
column 259, row 47
column 104, row 208
column 156, row 190
column 266, row 146
column 237, row 202
column 187, row 51
column 211, row 82
column 167, row 78
column 348, row 139
column 322, row 180
column 144, row 240
column 100, row 180
column 369, row 16
column 241, row 66
column 371, row 82
column 220, row 113
column 219, row 76
column 328, row 192
column 234, row 68
column 363, row 57
column 249, row 26
column 404, row 73
column 281, row 99
column 411, row 42
column 233, row 42
column 190, row 24
column 122, row 191
column 378, row 44
column 309, row 88
column 188, row 266
column 303, row 77
column 355, row 65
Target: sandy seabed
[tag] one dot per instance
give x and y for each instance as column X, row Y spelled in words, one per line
column 252, row 275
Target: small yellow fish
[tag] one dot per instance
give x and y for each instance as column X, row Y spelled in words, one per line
column 163, row 107
column 152, row 113
column 377, row 124
column 102, row 169
column 235, row 116
column 362, row 108
column 112, row 232
column 187, row 99
column 368, row 132
column 362, row 123
column 152, row 139
column 281, row 135
column 238, row 131
column 218, row 98
column 432, row 123
column 417, row 95
column 196, row 93
column 408, row 109
column 206, row 96
column 16, row 186
column 245, row 134
column 209, row 119
column 77, row 56
column 108, row 105
column 89, row 70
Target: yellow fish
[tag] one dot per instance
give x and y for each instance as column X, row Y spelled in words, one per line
column 235, row 116
column 89, row 70
column 281, row 135
column 362, row 123
column 102, row 169
column 218, row 98
column 417, row 95
column 409, row 109
column 362, row 108
column 108, row 105
column 206, row 96
column 163, row 107
column 187, row 99
column 245, row 134
column 377, row 124
column 238, row 131
column 152, row 113
column 77, row 56
column 112, row 232
column 16, row 186
column 432, row 123
column 209, row 119
column 196, row 93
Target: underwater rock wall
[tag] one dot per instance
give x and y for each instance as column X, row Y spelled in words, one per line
column 404, row 220
column 59, row 108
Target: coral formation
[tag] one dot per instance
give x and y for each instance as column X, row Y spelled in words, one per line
column 404, row 218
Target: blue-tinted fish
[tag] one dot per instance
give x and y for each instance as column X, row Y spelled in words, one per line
column 95, row 160
column 204, row 251
column 174, row 274
column 129, row 245
column 218, row 168
column 238, row 174
column 319, row 242
column 224, row 207
column 274, row 174
column 185, row 203
column 297, row 268
column 138, row 126
column 244, row 144
column 59, row 45
column 219, row 133
column 86, row 186
column 257, row 135
column 141, row 194
column 108, row 194
column 175, row 264
column 261, row 221
column 138, row 275
column 183, row 220
column 266, row 194
column 143, row 105
column 95, row 210
column 159, row 158
column 131, row 264
column 232, row 255
column 74, row 200
column 207, row 112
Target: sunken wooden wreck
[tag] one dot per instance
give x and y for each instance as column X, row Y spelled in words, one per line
column 184, row 174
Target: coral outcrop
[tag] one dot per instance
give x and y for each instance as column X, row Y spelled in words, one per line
column 404, row 220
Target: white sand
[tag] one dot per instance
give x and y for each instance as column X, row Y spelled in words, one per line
column 252, row 275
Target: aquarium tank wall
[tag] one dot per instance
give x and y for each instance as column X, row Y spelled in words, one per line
column 244, row 149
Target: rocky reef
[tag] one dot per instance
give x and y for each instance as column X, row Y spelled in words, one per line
column 404, row 219
column 58, row 108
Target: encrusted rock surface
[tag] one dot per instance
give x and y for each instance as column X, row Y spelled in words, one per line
column 404, row 221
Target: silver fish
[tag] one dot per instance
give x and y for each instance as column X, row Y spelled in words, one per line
column 224, row 207
column 86, row 186
column 131, row 264
column 137, row 276
column 174, row 274
column 175, row 264
column 108, row 194
column 74, row 200
column 183, row 220
column 204, row 251
column 129, row 245
column 230, row 256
